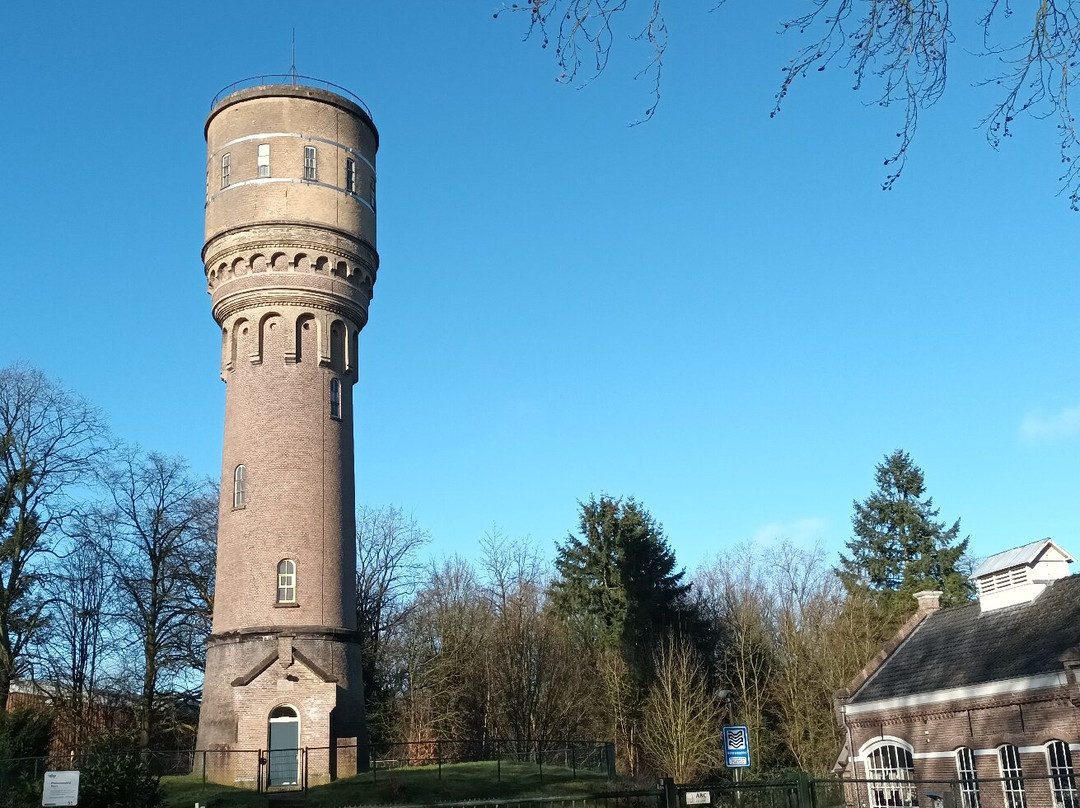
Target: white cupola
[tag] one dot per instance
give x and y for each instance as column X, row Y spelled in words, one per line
column 1019, row 575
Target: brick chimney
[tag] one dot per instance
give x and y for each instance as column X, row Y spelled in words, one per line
column 929, row 600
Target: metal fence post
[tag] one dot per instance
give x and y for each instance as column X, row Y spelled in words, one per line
column 609, row 759
column 806, row 799
column 669, row 794
column 438, row 756
column 498, row 760
column 540, row 757
column 573, row 759
column 204, row 767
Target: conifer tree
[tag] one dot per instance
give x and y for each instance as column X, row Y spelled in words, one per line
column 616, row 579
column 900, row 547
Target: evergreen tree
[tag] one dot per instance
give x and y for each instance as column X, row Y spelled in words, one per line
column 616, row 579
column 900, row 547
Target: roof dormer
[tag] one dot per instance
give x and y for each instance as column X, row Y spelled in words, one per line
column 1019, row 575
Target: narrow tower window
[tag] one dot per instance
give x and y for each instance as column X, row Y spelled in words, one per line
column 286, row 581
column 350, row 175
column 264, row 159
column 335, row 398
column 226, row 161
column 239, row 495
column 310, row 172
column 373, row 192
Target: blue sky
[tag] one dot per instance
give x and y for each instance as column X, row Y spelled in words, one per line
column 717, row 312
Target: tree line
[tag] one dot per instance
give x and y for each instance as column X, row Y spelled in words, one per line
column 609, row 639
column 106, row 592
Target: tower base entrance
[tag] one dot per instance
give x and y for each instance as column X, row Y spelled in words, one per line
column 276, row 696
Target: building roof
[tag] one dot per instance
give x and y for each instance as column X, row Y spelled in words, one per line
column 964, row 646
column 1016, row 557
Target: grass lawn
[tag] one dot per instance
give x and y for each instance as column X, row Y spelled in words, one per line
column 411, row 785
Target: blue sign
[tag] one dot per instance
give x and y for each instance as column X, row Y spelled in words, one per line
column 736, row 747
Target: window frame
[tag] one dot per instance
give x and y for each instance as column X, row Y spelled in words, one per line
column 1062, row 775
column 335, row 398
column 350, row 175
column 968, row 775
column 239, row 486
column 890, row 780
column 263, row 160
column 1012, row 776
column 311, row 163
column 286, row 581
column 226, row 170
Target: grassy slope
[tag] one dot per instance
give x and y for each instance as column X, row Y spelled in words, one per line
column 461, row 781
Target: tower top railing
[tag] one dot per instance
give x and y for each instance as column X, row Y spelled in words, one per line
column 287, row 78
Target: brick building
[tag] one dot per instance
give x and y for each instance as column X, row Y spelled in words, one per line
column 290, row 265
column 977, row 704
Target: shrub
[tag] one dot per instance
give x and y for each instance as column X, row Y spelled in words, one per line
column 114, row 774
column 24, row 743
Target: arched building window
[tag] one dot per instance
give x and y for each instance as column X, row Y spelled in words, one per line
column 239, row 495
column 286, row 581
column 335, row 398
column 890, row 770
column 1012, row 782
column 1062, row 781
column 969, row 777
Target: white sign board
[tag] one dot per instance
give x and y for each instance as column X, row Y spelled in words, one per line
column 61, row 788
column 697, row 797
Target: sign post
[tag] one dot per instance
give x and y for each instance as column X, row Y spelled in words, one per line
column 737, row 749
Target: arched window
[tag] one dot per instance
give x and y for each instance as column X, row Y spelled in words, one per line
column 335, row 398
column 239, row 489
column 1012, row 776
column 969, row 777
column 1062, row 781
column 890, row 770
column 226, row 165
column 286, row 581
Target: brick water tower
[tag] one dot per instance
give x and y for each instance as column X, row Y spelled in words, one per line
column 290, row 264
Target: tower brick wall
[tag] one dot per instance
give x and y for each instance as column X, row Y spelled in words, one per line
column 290, row 263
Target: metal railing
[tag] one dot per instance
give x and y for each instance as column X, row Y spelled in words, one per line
column 1026, row 791
column 288, row 78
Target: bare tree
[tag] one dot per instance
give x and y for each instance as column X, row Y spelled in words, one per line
column 539, row 688
column 824, row 636
column 443, row 686
column 51, row 441
column 153, row 531
column 683, row 715
column 81, row 639
column 898, row 49
column 388, row 573
column 737, row 591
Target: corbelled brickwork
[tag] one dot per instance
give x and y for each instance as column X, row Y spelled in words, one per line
column 290, row 264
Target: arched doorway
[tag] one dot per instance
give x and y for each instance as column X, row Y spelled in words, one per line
column 284, row 746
